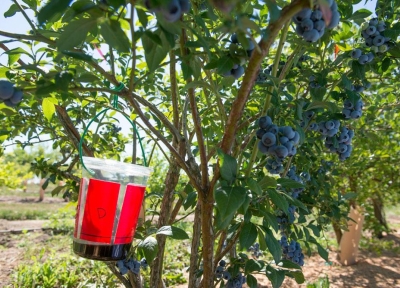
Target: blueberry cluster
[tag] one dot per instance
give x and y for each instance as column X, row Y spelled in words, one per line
column 303, row 177
column 132, row 265
column 170, row 10
column 341, row 143
column 313, row 83
column 278, row 142
column 292, row 251
column 115, row 129
column 237, row 71
column 282, row 222
column 236, row 282
column 250, row 44
column 308, row 116
column 9, row 94
column 327, row 128
column 310, row 24
column 219, row 272
column 351, row 110
column 284, row 219
column 255, row 250
column 373, row 34
column 363, row 59
column 263, row 74
column 274, row 166
column 359, row 88
column 233, row 282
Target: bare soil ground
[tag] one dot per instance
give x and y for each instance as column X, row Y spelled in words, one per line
column 372, row 269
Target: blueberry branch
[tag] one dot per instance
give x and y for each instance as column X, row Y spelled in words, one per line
column 25, row 15
column 196, row 121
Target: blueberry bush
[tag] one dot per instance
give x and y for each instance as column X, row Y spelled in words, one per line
column 264, row 109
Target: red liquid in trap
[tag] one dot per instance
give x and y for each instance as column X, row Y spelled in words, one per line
column 106, row 224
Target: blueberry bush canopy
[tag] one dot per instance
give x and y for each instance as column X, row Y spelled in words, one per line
column 265, row 111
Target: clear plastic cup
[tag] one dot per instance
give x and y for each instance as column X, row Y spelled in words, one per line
column 110, row 198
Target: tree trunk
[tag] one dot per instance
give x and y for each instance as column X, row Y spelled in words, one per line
column 207, row 206
column 351, row 238
column 41, row 190
column 379, row 214
column 338, row 232
column 194, row 255
column 171, row 180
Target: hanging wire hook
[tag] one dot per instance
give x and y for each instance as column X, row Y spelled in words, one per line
column 115, row 106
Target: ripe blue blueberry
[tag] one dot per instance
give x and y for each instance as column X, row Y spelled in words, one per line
column 307, row 24
column 303, row 14
column 172, row 11
column 311, row 36
column 363, row 59
column 356, row 53
column 334, row 20
column 6, row 89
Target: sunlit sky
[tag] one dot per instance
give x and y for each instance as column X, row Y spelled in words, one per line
column 18, row 24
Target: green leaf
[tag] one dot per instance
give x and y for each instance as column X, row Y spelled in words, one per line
column 254, row 186
column 268, row 182
column 350, row 195
column 228, row 166
column 289, row 264
column 228, row 200
column 11, row 11
column 321, row 250
column 142, row 17
column 317, row 94
column 243, row 208
column 173, row 232
column 251, row 281
column 52, row 10
column 358, row 70
column 15, row 54
column 114, row 36
column 298, row 276
column 360, row 15
column 289, row 183
column 3, row 71
column 45, row 90
column 275, row 276
column 278, row 199
column 116, row 3
column 78, row 55
column 331, row 107
column 315, row 229
column 273, row 245
column 63, row 79
column 225, row 64
column 271, row 220
column 253, row 265
column 385, row 64
column 48, row 107
column 87, row 78
column 273, row 9
column 74, row 33
column 393, row 32
column 57, row 190
column 190, row 200
column 248, row 235
column 149, row 247
column 153, row 52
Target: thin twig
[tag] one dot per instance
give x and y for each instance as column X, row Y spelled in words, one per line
column 25, row 15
